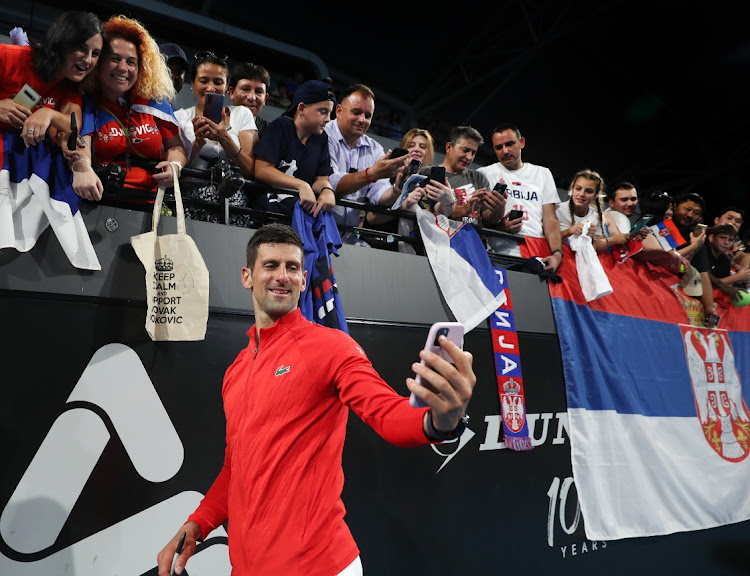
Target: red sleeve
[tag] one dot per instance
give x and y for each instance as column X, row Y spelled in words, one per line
column 213, row 509
column 362, row 389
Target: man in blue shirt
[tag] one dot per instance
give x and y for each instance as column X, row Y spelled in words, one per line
column 361, row 168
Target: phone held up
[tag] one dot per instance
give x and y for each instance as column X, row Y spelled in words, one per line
column 500, row 188
column 454, row 331
column 213, row 105
column 398, row 153
column 412, row 168
column 515, row 214
column 642, row 223
column 27, row 97
column 437, row 173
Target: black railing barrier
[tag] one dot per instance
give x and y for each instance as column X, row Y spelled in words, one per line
column 227, row 181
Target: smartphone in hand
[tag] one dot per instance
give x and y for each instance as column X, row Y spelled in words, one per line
column 398, row 153
column 437, row 173
column 213, row 105
column 515, row 214
column 27, row 97
column 454, row 331
column 500, row 188
column 642, row 223
column 73, row 137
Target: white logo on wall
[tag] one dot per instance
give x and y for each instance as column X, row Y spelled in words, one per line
column 116, row 382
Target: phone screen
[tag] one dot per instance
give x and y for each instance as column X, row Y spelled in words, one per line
column 212, row 106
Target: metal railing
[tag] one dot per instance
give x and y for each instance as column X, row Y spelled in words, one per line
column 228, row 182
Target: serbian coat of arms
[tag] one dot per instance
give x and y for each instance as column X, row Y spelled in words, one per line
column 717, row 390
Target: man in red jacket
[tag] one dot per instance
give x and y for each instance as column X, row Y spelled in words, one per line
column 286, row 401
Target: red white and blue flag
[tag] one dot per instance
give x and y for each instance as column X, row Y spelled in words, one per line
column 657, row 405
column 461, row 267
column 36, row 192
column 667, row 234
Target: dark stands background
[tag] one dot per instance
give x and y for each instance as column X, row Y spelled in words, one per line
column 650, row 92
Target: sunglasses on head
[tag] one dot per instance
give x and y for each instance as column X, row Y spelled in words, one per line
column 207, row 55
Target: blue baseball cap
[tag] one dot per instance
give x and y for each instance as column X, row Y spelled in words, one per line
column 310, row 92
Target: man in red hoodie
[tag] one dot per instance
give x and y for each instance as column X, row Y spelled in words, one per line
column 286, row 401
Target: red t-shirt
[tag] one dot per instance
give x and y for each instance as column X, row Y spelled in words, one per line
column 286, row 404
column 17, row 69
column 147, row 136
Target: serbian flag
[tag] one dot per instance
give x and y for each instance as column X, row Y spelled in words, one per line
column 667, row 234
column 657, row 404
column 320, row 302
column 36, row 191
column 462, row 268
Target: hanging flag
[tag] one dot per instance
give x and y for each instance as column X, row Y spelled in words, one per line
column 461, row 267
column 36, row 191
column 508, row 370
column 320, row 302
column 658, row 419
column 667, row 234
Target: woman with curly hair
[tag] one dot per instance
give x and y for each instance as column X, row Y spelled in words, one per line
column 129, row 117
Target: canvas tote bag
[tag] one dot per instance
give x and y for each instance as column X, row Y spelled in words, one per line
column 176, row 277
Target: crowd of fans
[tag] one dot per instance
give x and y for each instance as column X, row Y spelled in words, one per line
column 119, row 84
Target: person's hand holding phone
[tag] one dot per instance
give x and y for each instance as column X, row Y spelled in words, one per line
column 445, row 386
column 13, row 113
column 439, row 192
column 387, row 166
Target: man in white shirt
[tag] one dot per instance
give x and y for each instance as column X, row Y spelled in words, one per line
column 623, row 201
column 530, row 188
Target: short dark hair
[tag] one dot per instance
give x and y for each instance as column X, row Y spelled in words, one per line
column 459, row 132
column 249, row 71
column 507, row 126
column 273, row 233
column 723, row 211
column 690, row 197
column 361, row 88
column 624, row 185
column 69, row 31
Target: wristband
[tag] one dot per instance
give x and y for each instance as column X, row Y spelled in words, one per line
column 77, row 160
column 327, row 188
column 367, row 175
column 558, row 251
column 436, row 435
column 179, row 167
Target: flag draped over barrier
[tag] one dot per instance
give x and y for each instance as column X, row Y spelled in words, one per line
column 461, row 267
column 320, row 302
column 657, row 406
column 36, row 191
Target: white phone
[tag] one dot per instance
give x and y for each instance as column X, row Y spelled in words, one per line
column 454, row 331
column 27, row 97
